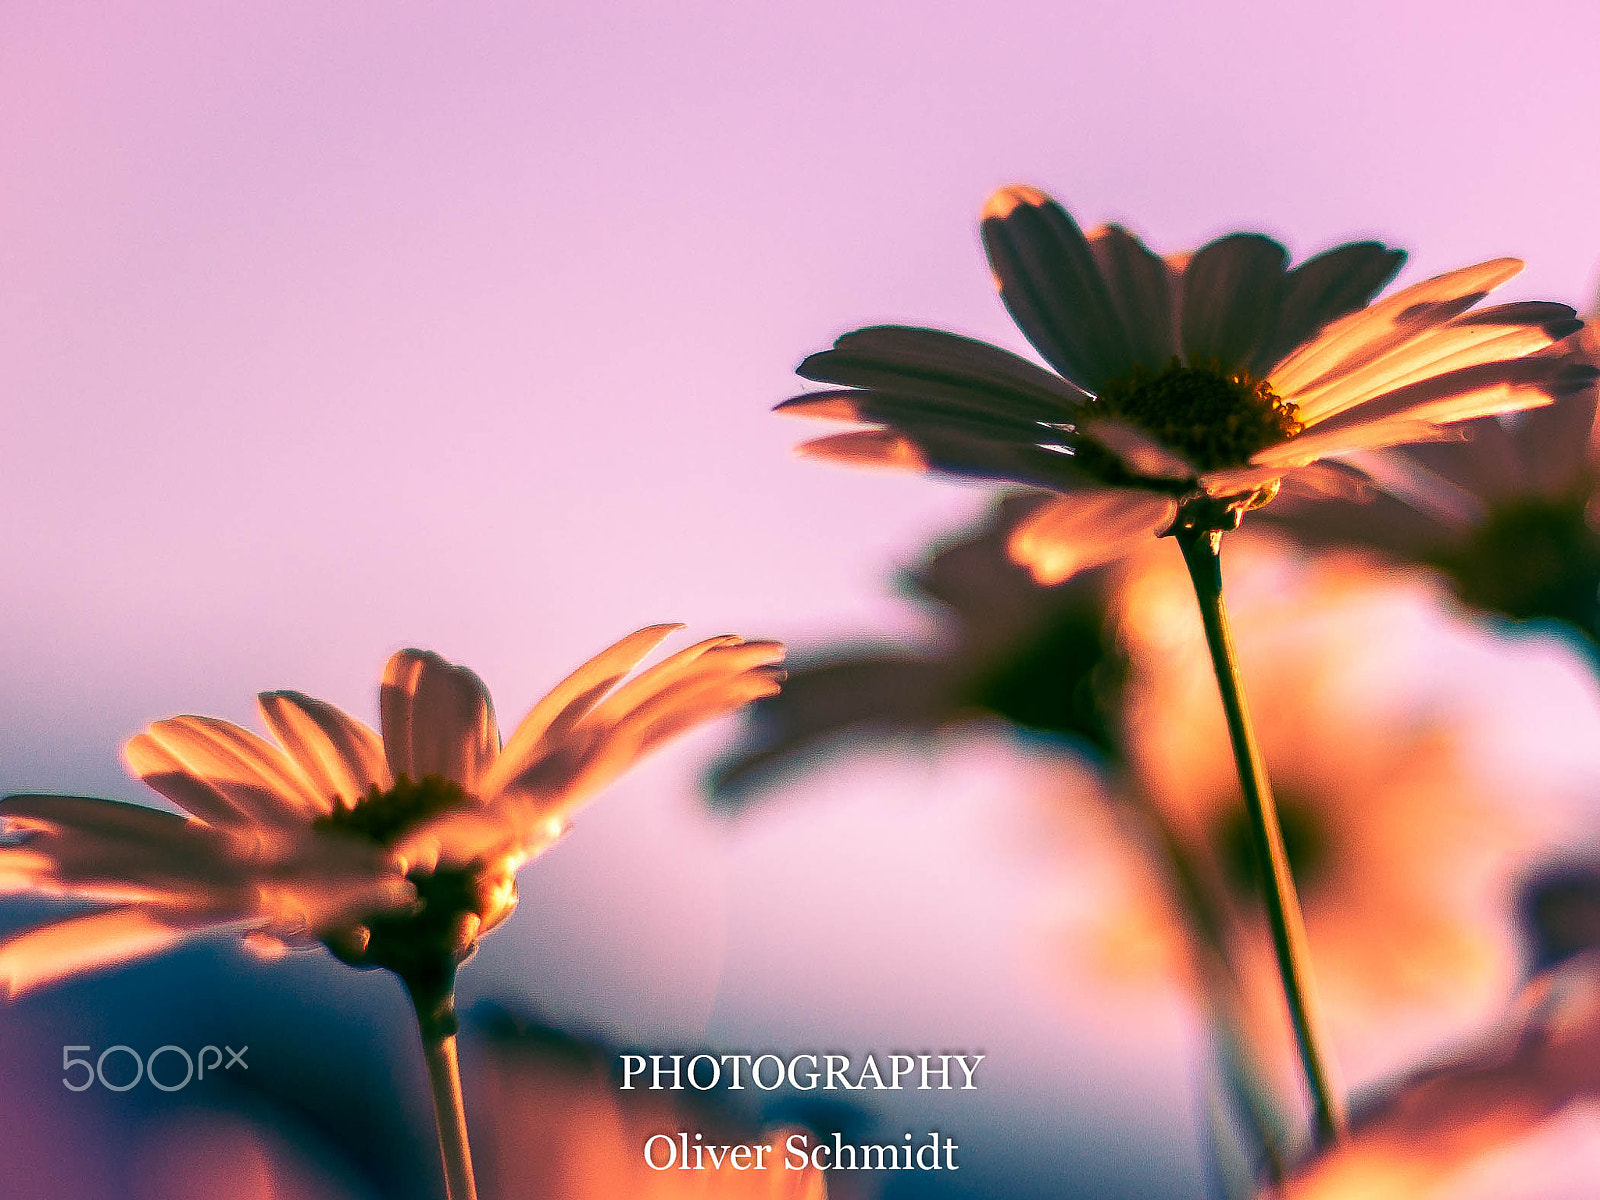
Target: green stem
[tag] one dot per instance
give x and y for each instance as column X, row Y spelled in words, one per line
column 1210, row 925
column 435, row 1007
column 1201, row 553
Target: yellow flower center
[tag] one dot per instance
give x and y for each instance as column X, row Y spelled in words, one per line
column 1214, row 418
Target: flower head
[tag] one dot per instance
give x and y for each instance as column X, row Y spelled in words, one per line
column 1184, row 390
column 397, row 850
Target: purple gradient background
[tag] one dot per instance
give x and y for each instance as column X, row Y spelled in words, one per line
column 328, row 329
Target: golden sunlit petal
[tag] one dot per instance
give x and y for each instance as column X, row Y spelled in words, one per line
column 1447, row 349
column 255, row 777
column 867, row 448
column 584, row 687
column 53, row 952
column 822, row 406
column 341, row 756
column 1363, row 336
column 1007, row 199
column 439, row 718
column 1076, row 532
column 165, row 773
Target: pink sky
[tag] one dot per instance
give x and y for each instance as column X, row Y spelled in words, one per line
column 332, row 328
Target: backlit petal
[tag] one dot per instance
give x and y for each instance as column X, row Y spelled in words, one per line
column 1361, row 337
column 1075, row 532
column 1051, row 284
column 54, row 952
column 1229, row 299
column 340, row 755
column 590, row 681
column 441, row 718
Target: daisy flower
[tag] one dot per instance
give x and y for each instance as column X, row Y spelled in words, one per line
column 1193, row 384
column 1181, row 393
column 396, row 851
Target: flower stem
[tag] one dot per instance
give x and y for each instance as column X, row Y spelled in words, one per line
column 1201, row 553
column 1209, row 926
column 436, row 1019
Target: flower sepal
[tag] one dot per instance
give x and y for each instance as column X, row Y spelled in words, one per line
column 1200, row 514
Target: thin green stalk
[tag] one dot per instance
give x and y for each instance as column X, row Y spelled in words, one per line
column 1209, row 927
column 437, row 1023
column 1201, row 553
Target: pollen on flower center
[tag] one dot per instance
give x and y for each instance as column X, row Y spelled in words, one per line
column 1214, row 418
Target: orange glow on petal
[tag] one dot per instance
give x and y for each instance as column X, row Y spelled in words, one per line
column 826, row 407
column 264, row 947
column 1076, row 532
column 866, row 448
column 1007, row 200
column 70, row 947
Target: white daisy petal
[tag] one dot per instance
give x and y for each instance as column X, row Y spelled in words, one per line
column 131, row 823
column 1075, row 532
column 685, row 704
column 560, row 772
column 50, row 953
column 255, row 776
column 867, row 448
column 1230, row 292
column 164, row 772
column 441, row 718
column 1460, row 395
column 1353, row 341
column 657, row 679
column 250, row 776
column 1373, row 435
column 1321, row 290
column 1143, row 292
column 394, row 711
column 590, row 681
column 1050, row 282
column 100, row 849
column 340, row 755
column 1468, row 341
